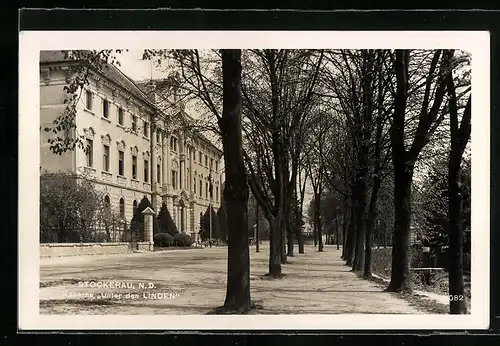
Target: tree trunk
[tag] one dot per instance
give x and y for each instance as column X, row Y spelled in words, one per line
column 344, row 231
column 459, row 138
column 351, row 239
column 456, row 269
column 400, row 280
column 315, row 231
column 360, row 223
column 257, row 231
column 289, row 229
column 236, row 186
column 337, row 232
column 372, row 215
column 318, row 221
column 274, row 248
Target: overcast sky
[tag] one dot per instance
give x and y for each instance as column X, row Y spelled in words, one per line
column 136, row 68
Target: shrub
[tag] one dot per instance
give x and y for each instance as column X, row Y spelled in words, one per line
column 166, row 223
column 183, row 240
column 205, row 225
column 163, row 239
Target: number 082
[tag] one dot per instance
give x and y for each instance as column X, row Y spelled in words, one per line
column 456, row 298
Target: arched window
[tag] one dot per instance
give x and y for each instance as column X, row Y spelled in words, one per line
column 122, row 208
column 107, row 203
column 134, row 207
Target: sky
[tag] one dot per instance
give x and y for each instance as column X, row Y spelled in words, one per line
column 134, row 67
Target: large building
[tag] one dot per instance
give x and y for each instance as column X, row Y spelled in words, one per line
column 137, row 147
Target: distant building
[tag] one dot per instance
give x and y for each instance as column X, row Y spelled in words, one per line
column 134, row 152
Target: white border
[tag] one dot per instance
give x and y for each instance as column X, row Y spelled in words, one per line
column 31, row 42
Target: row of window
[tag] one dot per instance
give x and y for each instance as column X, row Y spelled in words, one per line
column 121, row 114
column 107, row 202
column 121, row 169
column 121, row 162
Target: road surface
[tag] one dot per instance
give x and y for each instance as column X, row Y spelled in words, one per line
column 193, row 281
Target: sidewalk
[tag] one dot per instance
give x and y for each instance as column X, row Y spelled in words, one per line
column 195, row 283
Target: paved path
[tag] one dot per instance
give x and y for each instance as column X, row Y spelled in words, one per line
column 194, row 282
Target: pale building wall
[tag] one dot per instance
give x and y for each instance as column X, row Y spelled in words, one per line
column 184, row 158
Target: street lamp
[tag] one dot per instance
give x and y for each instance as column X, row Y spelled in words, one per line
column 210, row 203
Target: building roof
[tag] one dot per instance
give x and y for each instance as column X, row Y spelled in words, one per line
column 109, row 71
column 137, row 89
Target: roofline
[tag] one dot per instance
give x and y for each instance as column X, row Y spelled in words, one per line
column 146, row 100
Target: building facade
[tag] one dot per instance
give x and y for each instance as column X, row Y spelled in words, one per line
column 134, row 149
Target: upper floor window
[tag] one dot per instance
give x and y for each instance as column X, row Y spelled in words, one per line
column 158, row 173
column 216, row 166
column 120, row 163
column 194, row 185
column 173, row 143
column 134, row 167
column 146, row 171
column 201, row 189
column 120, row 116
column 211, row 163
column 105, row 158
column 174, row 179
column 146, row 129
column 200, row 157
column 134, row 123
column 89, row 152
column 105, row 108
column 206, row 160
column 216, row 193
column 88, row 100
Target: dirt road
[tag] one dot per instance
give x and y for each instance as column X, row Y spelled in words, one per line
column 194, row 282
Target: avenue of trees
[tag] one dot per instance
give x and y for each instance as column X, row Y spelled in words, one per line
column 364, row 130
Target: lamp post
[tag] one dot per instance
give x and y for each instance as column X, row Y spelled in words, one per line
column 210, row 203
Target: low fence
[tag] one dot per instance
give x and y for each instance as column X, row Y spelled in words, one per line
column 78, row 249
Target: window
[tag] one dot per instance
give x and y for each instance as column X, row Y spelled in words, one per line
column 89, row 152
column 134, row 123
column 173, row 143
column 122, row 208
column 120, row 116
column 107, row 203
column 206, row 160
column 216, row 166
column 216, row 193
column 211, row 163
column 180, row 181
column 194, row 185
column 105, row 108
column 158, row 173
column 201, row 189
column 134, row 207
column 174, row 179
column 211, row 189
column 146, row 129
column 134, row 167
column 158, row 136
column 88, row 100
column 194, row 155
column 146, row 171
column 105, row 156
column 200, row 157
column 206, row 190
column 120, row 163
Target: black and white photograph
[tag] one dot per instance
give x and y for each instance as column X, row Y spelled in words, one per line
column 254, row 180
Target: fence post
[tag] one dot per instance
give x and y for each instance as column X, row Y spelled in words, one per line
column 148, row 226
